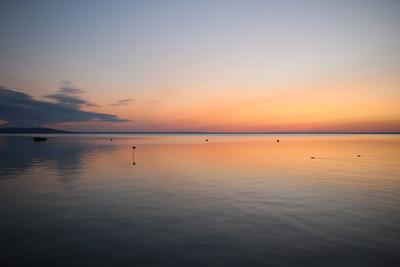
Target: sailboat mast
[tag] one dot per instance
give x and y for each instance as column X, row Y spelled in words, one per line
column 38, row 138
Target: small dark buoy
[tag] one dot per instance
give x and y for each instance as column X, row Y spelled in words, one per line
column 133, row 155
column 110, row 139
column 206, row 140
column 312, row 157
column 277, row 140
column 358, row 156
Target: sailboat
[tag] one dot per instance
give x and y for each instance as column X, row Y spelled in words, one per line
column 39, row 138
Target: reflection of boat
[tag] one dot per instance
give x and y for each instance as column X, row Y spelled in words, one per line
column 39, row 138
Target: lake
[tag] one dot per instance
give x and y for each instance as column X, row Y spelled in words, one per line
column 178, row 200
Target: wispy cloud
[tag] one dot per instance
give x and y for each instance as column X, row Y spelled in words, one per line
column 123, row 102
column 69, row 95
column 21, row 109
column 67, row 88
column 151, row 101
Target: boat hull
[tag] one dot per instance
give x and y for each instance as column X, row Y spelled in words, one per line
column 39, row 139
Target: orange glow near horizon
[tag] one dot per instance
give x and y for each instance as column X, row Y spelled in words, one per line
column 352, row 105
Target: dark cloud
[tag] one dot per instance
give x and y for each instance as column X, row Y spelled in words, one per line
column 20, row 109
column 68, row 95
column 69, row 100
column 123, row 102
column 67, row 88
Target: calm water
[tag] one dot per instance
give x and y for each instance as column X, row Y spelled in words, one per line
column 237, row 200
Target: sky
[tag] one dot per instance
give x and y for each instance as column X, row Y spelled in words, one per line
column 201, row 65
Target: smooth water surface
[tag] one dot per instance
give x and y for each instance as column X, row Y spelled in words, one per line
column 236, row 200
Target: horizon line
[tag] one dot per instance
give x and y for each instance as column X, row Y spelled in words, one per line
column 202, row 132
column 235, row 132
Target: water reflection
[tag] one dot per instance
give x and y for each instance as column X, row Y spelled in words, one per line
column 232, row 201
column 19, row 155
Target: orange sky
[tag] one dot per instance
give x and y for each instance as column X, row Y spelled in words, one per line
column 209, row 66
column 356, row 104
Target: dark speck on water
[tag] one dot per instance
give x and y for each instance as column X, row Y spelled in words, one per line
column 238, row 201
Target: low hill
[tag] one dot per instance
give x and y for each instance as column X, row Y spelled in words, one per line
column 30, row 130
